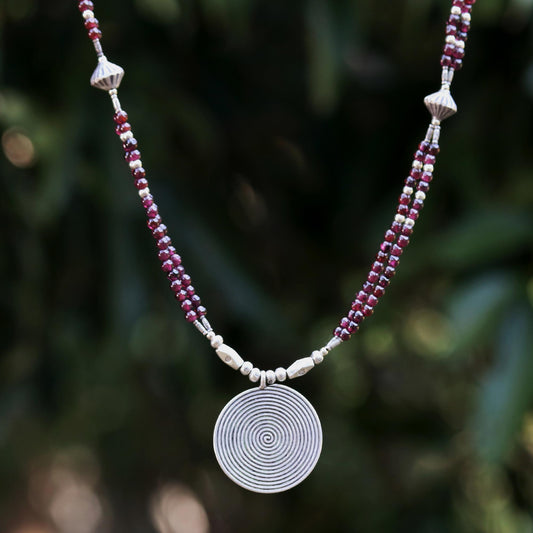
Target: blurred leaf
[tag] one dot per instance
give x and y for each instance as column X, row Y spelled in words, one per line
column 476, row 308
column 324, row 64
column 506, row 392
column 482, row 237
column 161, row 10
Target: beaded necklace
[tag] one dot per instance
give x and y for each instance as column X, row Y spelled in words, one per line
column 268, row 439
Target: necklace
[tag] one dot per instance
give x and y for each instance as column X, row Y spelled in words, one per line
column 268, row 439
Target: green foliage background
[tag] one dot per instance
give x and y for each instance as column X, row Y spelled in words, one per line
column 277, row 136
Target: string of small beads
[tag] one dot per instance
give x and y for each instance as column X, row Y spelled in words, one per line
column 108, row 76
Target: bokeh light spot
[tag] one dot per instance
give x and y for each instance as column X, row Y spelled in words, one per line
column 176, row 509
column 18, row 148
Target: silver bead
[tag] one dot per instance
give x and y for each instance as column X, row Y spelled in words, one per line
column 229, row 356
column 317, row 357
column 107, row 75
column 246, row 368
column 254, row 376
column 281, row 374
column 270, row 377
column 441, row 104
column 300, row 367
column 216, row 341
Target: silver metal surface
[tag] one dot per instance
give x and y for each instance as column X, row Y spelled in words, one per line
column 268, row 440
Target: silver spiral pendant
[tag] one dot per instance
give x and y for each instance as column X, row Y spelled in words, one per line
column 268, row 440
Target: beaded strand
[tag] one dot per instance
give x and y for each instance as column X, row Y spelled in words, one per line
column 107, row 76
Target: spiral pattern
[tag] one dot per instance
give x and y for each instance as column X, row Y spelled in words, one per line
column 268, row 440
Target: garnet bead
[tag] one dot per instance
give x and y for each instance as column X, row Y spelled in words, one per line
column 120, row 117
column 160, row 231
column 175, row 285
column 139, row 173
column 86, row 5
column 94, row 33
column 201, row 310
column 164, row 242
column 191, row 316
column 91, row 23
column 123, row 128
column 186, row 280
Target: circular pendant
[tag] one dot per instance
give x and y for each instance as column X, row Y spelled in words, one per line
column 268, row 440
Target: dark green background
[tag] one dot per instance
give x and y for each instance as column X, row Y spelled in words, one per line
column 277, row 135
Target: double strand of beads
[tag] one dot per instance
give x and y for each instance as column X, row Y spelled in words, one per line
column 107, row 76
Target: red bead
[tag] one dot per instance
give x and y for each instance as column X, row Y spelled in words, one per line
column 201, row 311
column 414, row 214
column 344, row 323
column 403, row 241
column 352, row 327
column 164, row 242
column 404, row 199
column 357, row 305
column 368, row 287
column 120, row 117
column 372, row 277
column 191, row 316
column 358, row 317
column 445, row 61
column 94, row 33
column 396, row 227
column 123, row 128
column 139, row 173
column 394, row 261
column 372, row 301
column 345, row 335
column 381, row 257
column 379, row 291
column 423, row 146
column 134, row 155
column 186, row 280
column 191, row 291
column 140, row 183
column 418, row 204
column 427, row 177
column 153, row 223
column 163, row 255
column 434, row 149
column 86, row 5
column 159, row 232
column 429, row 159
column 419, row 155
column 449, row 49
column 415, row 173
column 186, row 305
column 337, row 332
column 196, row 300
column 384, row 281
column 181, row 296
column 390, row 272
column 152, row 211
column 180, row 270
column 390, row 236
column 407, row 230
column 403, row 209
column 368, row 311
column 377, row 267
column 129, row 144
column 385, row 246
column 423, row 186
column 167, row 266
column 148, row 201
column 410, row 181
column 362, row 296
column 176, row 259
column 91, row 23
column 396, row 250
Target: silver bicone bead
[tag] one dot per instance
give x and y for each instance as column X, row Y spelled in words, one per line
column 441, row 105
column 107, row 75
